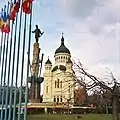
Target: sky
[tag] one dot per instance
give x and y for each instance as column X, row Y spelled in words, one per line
column 91, row 31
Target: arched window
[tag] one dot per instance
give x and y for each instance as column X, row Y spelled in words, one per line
column 68, row 89
column 57, row 98
column 61, row 84
column 49, row 68
column 54, row 99
column 58, row 83
column 64, row 59
column 55, row 84
column 61, row 99
column 61, row 59
column 46, row 89
column 46, row 68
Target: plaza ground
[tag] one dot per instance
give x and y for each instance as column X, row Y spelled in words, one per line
column 69, row 117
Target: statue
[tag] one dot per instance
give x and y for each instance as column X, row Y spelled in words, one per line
column 38, row 33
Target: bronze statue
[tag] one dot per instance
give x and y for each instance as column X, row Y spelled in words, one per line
column 38, row 33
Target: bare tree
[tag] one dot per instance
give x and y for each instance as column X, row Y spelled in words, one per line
column 112, row 85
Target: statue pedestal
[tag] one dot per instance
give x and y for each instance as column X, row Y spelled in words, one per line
column 34, row 80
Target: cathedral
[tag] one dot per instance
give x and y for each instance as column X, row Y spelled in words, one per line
column 58, row 78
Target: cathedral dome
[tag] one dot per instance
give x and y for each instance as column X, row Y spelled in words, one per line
column 62, row 48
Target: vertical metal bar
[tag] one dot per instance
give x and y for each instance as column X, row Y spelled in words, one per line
column 20, row 97
column 2, row 73
column 15, row 92
column 26, row 95
column 1, row 47
column 4, row 88
column 1, row 37
column 0, row 64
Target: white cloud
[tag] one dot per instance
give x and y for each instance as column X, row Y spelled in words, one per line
column 79, row 8
column 103, row 71
column 104, row 15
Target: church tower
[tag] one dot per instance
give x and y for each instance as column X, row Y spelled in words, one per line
column 58, row 78
column 48, row 80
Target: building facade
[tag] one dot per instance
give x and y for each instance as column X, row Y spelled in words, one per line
column 58, row 78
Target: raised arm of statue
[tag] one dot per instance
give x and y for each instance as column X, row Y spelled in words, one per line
column 34, row 31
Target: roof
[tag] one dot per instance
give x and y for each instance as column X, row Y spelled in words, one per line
column 62, row 48
column 48, row 61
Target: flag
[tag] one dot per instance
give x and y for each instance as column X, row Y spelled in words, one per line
column 17, row 6
column 1, row 23
column 26, row 6
column 6, row 19
column 7, row 27
column 1, row 20
column 14, row 9
column 5, row 15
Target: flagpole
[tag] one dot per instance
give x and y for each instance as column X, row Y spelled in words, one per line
column 0, row 59
column 1, row 47
column 2, row 72
column 2, row 62
column 15, row 92
column 10, row 103
column 20, row 97
column 26, row 95
column 1, row 38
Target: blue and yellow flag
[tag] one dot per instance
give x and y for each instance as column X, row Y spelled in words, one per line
column 1, row 20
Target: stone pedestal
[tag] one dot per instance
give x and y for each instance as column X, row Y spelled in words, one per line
column 35, row 84
column 36, row 60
